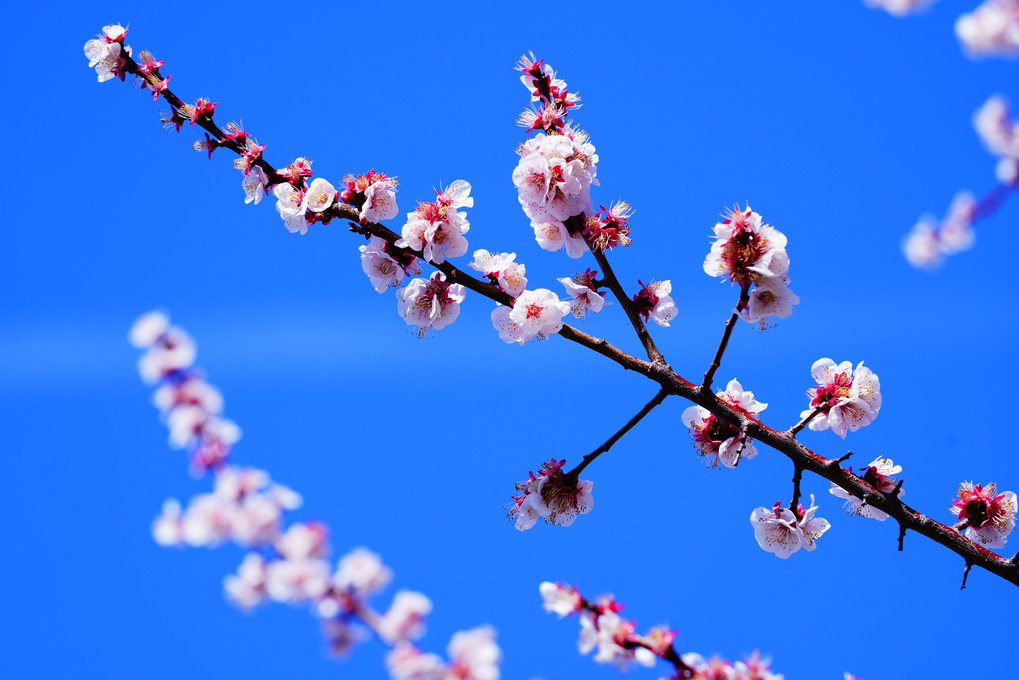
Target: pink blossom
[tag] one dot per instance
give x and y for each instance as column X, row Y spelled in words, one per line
column 778, row 530
column 611, row 230
column 362, row 572
column 654, row 302
column 553, row 235
column 436, row 229
column 501, row 270
column 386, row 265
column 747, row 251
column 430, row 304
column 992, row 29
column 879, row 474
column 255, row 185
column 474, row 655
column 988, row 516
column 405, row 618
column 320, row 195
column 848, row 399
column 555, row 174
column 719, row 441
column 552, row 496
column 560, row 599
column 246, row 589
column 773, row 299
column 379, row 201
column 538, row 312
column 584, row 294
column 407, row 662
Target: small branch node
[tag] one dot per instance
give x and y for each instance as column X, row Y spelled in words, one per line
column 902, row 535
column 965, row 574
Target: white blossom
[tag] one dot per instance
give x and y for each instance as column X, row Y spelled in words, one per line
column 848, row 399
column 430, row 304
column 509, row 275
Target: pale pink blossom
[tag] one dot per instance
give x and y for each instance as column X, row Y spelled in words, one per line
column 880, row 475
column 613, row 636
column 654, row 303
column 436, row 229
column 718, row 441
column 362, row 572
column 900, row 7
column 296, row 580
column 996, row 128
column 992, row 29
column 341, row 635
column 584, row 296
column 474, row 655
column 385, row 266
column 775, row 299
column 921, row 246
column 246, row 588
column 553, row 235
column 407, row 662
column 538, row 312
column 714, row 669
column 778, row 530
column 303, row 540
column 555, row 174
column 552, row 496
column 609, row 227
column 379, row 201
column 560, row 599
column 168, row 528
column 254, row 185
column 987, row 516
column 430, row 304
column 405, row 618
column 848, row 399
column 107, row 52
column 291, row 207
column 320, row 195
column 501, row 270
column 148, row 329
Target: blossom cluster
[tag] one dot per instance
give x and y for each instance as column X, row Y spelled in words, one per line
column 718, row 441
column 990, row 29
column 880, row 474
column 106, row 52
column 751, row 253
column 929, row 241
column 782, row 531
column 285, row 563
column 999, row 132
column 844, row 399
column 617, row 641
column 552, row 496
column 987, row 516
column 473, row 655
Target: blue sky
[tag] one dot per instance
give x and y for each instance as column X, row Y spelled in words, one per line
column 840, row 124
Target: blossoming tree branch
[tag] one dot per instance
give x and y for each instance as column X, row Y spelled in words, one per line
column 554, row 178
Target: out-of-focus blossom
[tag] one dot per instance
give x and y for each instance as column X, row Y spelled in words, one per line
column 987, row 516
column 246, row 589
column 407, row 662
column 560, row 599
column 992, row 29
column 718, row 441
column 848, row 399
column 899, row 7
column 405, row 618
column 474, row 655
column 362, row 572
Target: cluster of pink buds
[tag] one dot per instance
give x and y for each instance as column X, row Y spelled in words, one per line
column 990, row 29
column 552, row 496
column 106, row 53
column 880, row 475
column 718, row 441
column 749, row 252
column 373, row 194
column 988, row 517
column 436, row 229
column 654, row 303
column 554, row 100
column 289, row 564
column 899, row 7
column 190, row 406
column 617, row 642
column 584, row 294
column 473, row 655
column 842, row 399
column 781, row 531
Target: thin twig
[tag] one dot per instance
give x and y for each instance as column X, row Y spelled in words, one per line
column 806, row 421
column 612, row 283
column 797, row 476
column 965, row 575
column 902, row 535
column 837, row 462
column 709, row 375
column 648, row 407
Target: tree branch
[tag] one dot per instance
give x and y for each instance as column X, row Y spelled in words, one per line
column 648, row 407
column 709, row 375
column 612, row 283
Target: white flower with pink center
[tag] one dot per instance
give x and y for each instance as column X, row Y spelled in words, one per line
column 880, row 474
column 987, row 516
column 385, row 266
column 654, row 303
column 847, row 399
column 555, row 174
column 291, row 207
column 107, row 52
column 407, row 662
column 304, row 540
column 747, row 251
column 552, row 496
column 474, row 655
column 990, row 29
column 560, row 599
column 379, row 201
column 436, row 229
column 246, row 588
column 778, row 530
column 405, row 618
column 538, row 313
column 430, row 304
column 501, row 270
column 320, row 195
column 718, row 441
column 773, row 300
column 921, row 246
column 552, row 235
column 296, row 580
column 362, row 572
column 614, row 638
column 993, row 123
column 254, row 185
column 584, row 296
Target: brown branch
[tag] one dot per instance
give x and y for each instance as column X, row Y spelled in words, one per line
column 648, row 407
column 806, row 421
column 612, row 283
column 795, row 503
column 709, row 375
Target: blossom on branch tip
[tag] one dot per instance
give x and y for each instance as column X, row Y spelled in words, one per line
column 776, row 299
column 847, row 399
column 555, row 174
column 747, row 251
column 879, row 474
column 929, row 241
column 718, row 441
column 106, row 53
column 653, row 301
column 611, row 230
column 501, row 270
column 297, row 171
column 987, row 516
column 552, row 496
column 430, row 304
column 778, row 530
column 202, row 108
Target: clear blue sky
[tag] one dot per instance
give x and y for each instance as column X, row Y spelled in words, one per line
column 839, row 123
